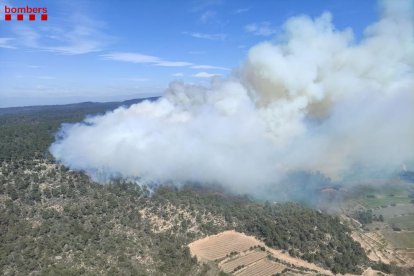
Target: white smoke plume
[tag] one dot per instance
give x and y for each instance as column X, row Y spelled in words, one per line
column 314, row 100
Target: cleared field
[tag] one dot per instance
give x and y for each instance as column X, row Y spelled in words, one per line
column 403, row 222
column 243, row 260
column 395, row 211
column 378, row 248
column 373, row 196
column 263, row 267
column 375, row 247
column 385, row 200
column 408, row 255
column 219, row 246
column 400, row 239
column 371, row 272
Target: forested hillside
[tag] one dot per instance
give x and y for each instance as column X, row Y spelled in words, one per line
column 59, row 222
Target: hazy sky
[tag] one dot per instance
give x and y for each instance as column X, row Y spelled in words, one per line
column 116, row 50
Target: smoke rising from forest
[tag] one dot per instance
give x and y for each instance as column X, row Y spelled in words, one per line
column 314, row 99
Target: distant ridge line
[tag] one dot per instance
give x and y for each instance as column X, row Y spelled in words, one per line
column 40, row 108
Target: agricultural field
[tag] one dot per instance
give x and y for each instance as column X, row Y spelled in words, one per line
column 395, row 211
column 245, row 260
column 404, row 222
column 407, row 253
column 382, row 195
column 391, row 239
column 385, row 200
column 404, row 239
column 238, row 254
column 380, row 246
column 383, row 221
column 377, row 247
column 219, row 246
column 263, row 267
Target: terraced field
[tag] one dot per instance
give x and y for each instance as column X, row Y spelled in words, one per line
column 408, row 254
column 245, row 260
column 263, row 267
column 219, row 246
column 238, row 254
column 378, row 249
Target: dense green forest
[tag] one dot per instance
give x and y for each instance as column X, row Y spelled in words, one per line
column 59, row 222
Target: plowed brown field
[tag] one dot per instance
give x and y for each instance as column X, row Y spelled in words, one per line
column 243, row 260
column 263, row 267
column 219, row 246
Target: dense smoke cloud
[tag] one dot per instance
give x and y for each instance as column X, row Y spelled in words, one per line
column 314, row 100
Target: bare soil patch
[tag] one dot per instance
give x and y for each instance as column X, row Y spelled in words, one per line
column 263, row 267
column 377, row 249
column 245, row 260
column 219, row 246
column 248, row 260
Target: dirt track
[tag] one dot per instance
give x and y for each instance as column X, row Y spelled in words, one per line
column 298, row 262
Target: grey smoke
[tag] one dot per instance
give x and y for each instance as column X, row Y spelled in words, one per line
column 317, row 100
